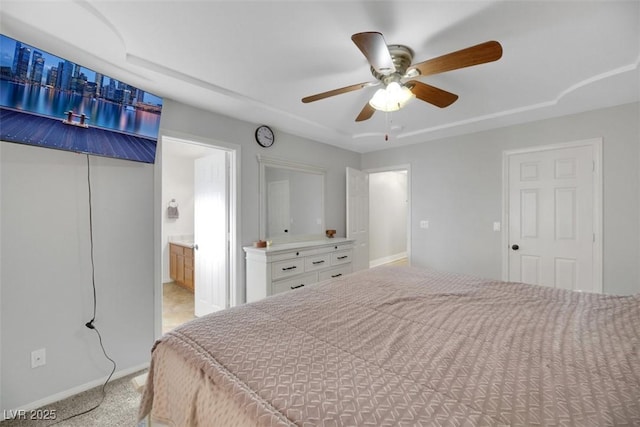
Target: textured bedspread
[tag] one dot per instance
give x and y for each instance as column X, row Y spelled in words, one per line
column 411, row 347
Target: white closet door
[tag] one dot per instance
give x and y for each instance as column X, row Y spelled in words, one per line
column 551, row 217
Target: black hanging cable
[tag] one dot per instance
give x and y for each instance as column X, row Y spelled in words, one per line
column 90, row 324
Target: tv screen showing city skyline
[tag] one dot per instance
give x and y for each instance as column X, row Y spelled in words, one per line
column 52, row 102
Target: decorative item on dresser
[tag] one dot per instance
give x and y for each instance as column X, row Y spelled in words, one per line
column 283, row 267
column 181, row 265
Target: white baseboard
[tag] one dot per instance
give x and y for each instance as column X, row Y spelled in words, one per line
column 387, row 259
column 79, row 389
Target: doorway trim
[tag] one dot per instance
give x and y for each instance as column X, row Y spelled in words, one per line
column 395, row 168
column 235, row 261
column 596, row 145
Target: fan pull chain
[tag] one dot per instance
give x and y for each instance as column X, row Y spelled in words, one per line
column 387, row 118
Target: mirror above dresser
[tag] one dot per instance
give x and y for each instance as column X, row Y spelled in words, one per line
column 291, row 201
column 299, row 253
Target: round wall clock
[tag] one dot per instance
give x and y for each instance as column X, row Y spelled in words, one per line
column 264, row 136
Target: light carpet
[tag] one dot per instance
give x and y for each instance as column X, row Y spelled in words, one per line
column 119, row 409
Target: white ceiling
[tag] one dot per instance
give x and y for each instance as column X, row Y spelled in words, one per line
column 255, row 60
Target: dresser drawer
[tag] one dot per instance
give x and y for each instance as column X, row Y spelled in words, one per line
column 287, row 268
column 286, row 255
column 316, row 262
column 294, row 283
column 334, row 272
column 283, row 266
column 341, row 257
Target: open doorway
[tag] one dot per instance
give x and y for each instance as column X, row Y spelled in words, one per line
column 388, row 217
column 379, row 215
column 197, row 180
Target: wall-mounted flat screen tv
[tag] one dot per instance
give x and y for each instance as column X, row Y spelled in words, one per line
column 52, row 102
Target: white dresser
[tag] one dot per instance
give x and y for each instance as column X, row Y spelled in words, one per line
column 289, row 266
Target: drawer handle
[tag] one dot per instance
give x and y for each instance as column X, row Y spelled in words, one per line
column 336, row 275
column 343, row 257
column 297, row 286
column 289, row 268
column 317, row 262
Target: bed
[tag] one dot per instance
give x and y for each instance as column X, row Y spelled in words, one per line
column 403, row 346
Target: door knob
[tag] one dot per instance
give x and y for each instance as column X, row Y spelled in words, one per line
column 195, row 247
column 515, row 247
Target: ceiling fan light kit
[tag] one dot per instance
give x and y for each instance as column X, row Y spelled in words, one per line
column 391, row 98
column 392, row 66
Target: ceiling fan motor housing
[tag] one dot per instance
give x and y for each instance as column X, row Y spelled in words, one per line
column 402, row 57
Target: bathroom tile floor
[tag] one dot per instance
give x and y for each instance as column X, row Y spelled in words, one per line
column 177, row 306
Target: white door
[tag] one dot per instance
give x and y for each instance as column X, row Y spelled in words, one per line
column 278, row 211
column 358, row 216
column 211, row 231
column 552, row 220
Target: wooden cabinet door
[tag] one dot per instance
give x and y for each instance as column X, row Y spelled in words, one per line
column 181, row 264
column 173, row 266
column 188, row 269
column 175, row 259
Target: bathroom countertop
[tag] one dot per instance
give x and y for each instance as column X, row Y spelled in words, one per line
column 185, row 243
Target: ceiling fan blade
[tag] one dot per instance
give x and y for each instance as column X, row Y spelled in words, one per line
column 432, row 95
column 335, row 92
column 375, row 49
column 366, row 113
column 474, row 55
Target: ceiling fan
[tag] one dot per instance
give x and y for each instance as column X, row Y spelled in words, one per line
column 391, row 66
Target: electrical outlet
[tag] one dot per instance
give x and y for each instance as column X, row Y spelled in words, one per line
column 38, row 358
column 424, row 224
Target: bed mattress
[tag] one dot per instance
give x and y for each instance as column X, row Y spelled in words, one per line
column 402, row 346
